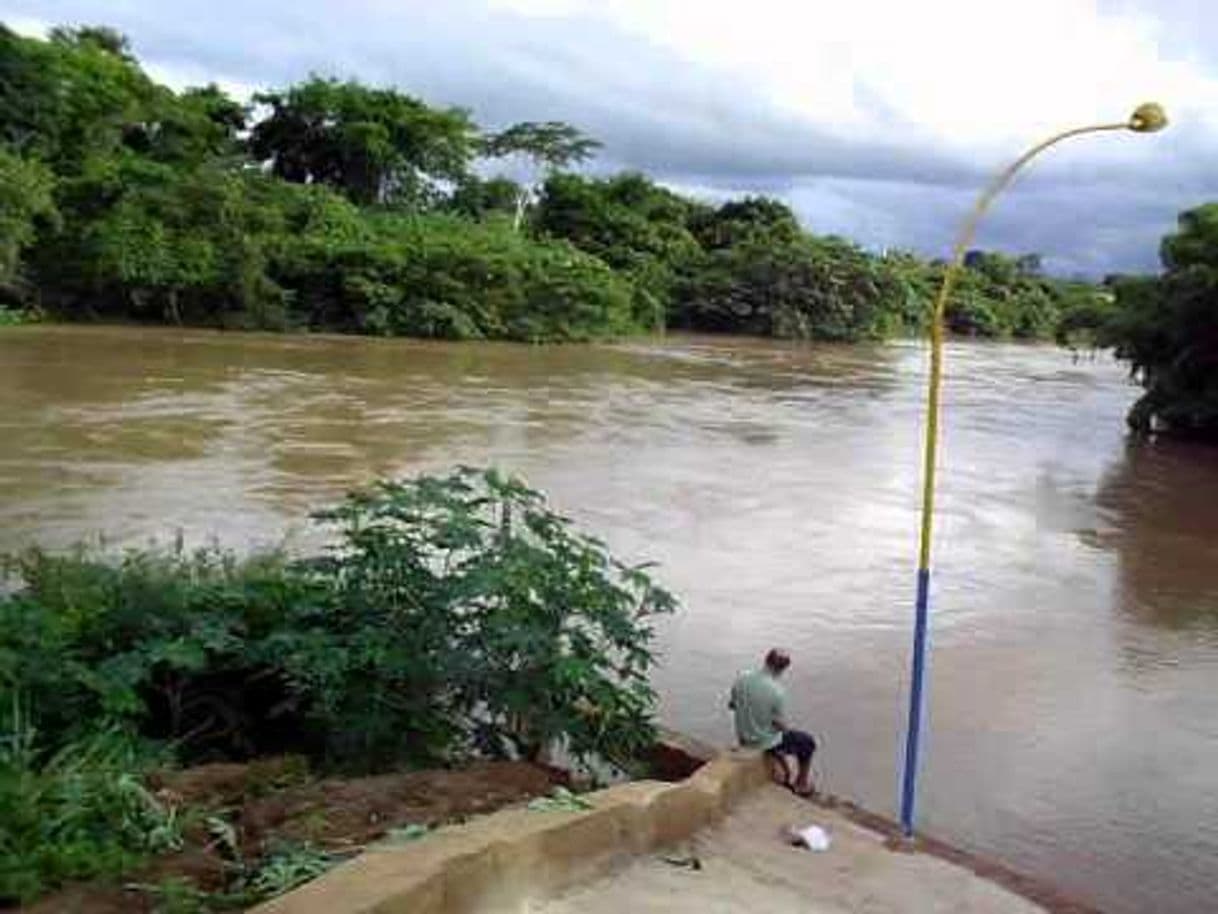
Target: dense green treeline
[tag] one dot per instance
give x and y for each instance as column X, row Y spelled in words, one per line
column 335, row 205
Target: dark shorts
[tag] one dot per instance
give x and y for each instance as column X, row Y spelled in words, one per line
column 796, row 743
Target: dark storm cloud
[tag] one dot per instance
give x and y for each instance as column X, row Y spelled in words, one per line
column 689, row 124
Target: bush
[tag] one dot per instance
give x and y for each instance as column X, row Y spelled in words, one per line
column 166, row 641
column 439, row 276
column 804, row 288
column 470, row 612
column 454, row 615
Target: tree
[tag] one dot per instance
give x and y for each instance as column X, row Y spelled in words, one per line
column 101, row 37
column 1166, row 327
column 997, row 295
column 738, row 220
column 548, row 146
column 806, row 288
column 126, row 199
column 631, row 223
column 476, row 197
column 375, row 145
column 25, row 198
column 70, row 99
column 435, row 275
column 468, row 595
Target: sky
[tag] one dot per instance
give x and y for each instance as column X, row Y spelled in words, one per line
column 877, row 120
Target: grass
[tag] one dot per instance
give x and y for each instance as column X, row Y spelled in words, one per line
column 80, row 812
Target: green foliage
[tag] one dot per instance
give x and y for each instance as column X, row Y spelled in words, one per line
column 78, row 812
column 11, row 317
column 560, row 800
column 804, row 288
column 1085, row 310
column 165, row 641
column 372, row 144
column 453, row 616
column 1167, row 329
column 99, row 37
column 82, row 96
column 186, row 245
column 1001, row 296
column 284, row 869
column 629, row 222
column 163, row 216
column 547, row 146
column 738, row 221
column 626, row 220
column 25, row 198
column 551, row 144
column 454, row 613
column 478, row 198
column 465, row 595
column 335, row 205
column 438, row 276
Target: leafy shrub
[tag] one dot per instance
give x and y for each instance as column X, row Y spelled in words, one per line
column 804, row 288
column 439, row 276
column 465, row 603
column 453, row 615
column 165, row 640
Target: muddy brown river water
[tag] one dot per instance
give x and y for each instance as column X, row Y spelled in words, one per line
column 1073, row 709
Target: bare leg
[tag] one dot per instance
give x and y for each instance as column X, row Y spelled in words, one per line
column 803, row 784
column 778, row 769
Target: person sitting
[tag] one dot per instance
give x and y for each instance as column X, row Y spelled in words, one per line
column 758, row 701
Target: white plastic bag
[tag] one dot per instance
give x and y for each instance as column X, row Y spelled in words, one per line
column 814, row 838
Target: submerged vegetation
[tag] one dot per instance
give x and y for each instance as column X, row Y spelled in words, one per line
column 454, row 618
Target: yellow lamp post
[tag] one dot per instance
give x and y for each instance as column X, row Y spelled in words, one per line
column 1147, row 118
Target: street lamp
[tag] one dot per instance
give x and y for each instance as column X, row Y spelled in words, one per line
column 1146, row 118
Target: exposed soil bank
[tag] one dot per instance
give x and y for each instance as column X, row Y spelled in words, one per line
column 273, row 802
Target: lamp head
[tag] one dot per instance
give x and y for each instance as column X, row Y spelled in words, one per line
column 1148, row 117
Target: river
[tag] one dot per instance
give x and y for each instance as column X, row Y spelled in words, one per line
column 1073, row 708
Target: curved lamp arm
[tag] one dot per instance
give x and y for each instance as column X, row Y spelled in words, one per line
column 1147, row 118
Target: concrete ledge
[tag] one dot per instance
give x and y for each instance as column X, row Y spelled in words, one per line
column 501, row 862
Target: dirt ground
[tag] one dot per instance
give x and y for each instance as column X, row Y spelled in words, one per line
column 273, row 801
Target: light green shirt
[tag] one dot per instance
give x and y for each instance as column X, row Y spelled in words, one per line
column 759, row 702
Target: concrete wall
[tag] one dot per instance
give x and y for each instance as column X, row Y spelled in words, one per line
column 500, row 862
